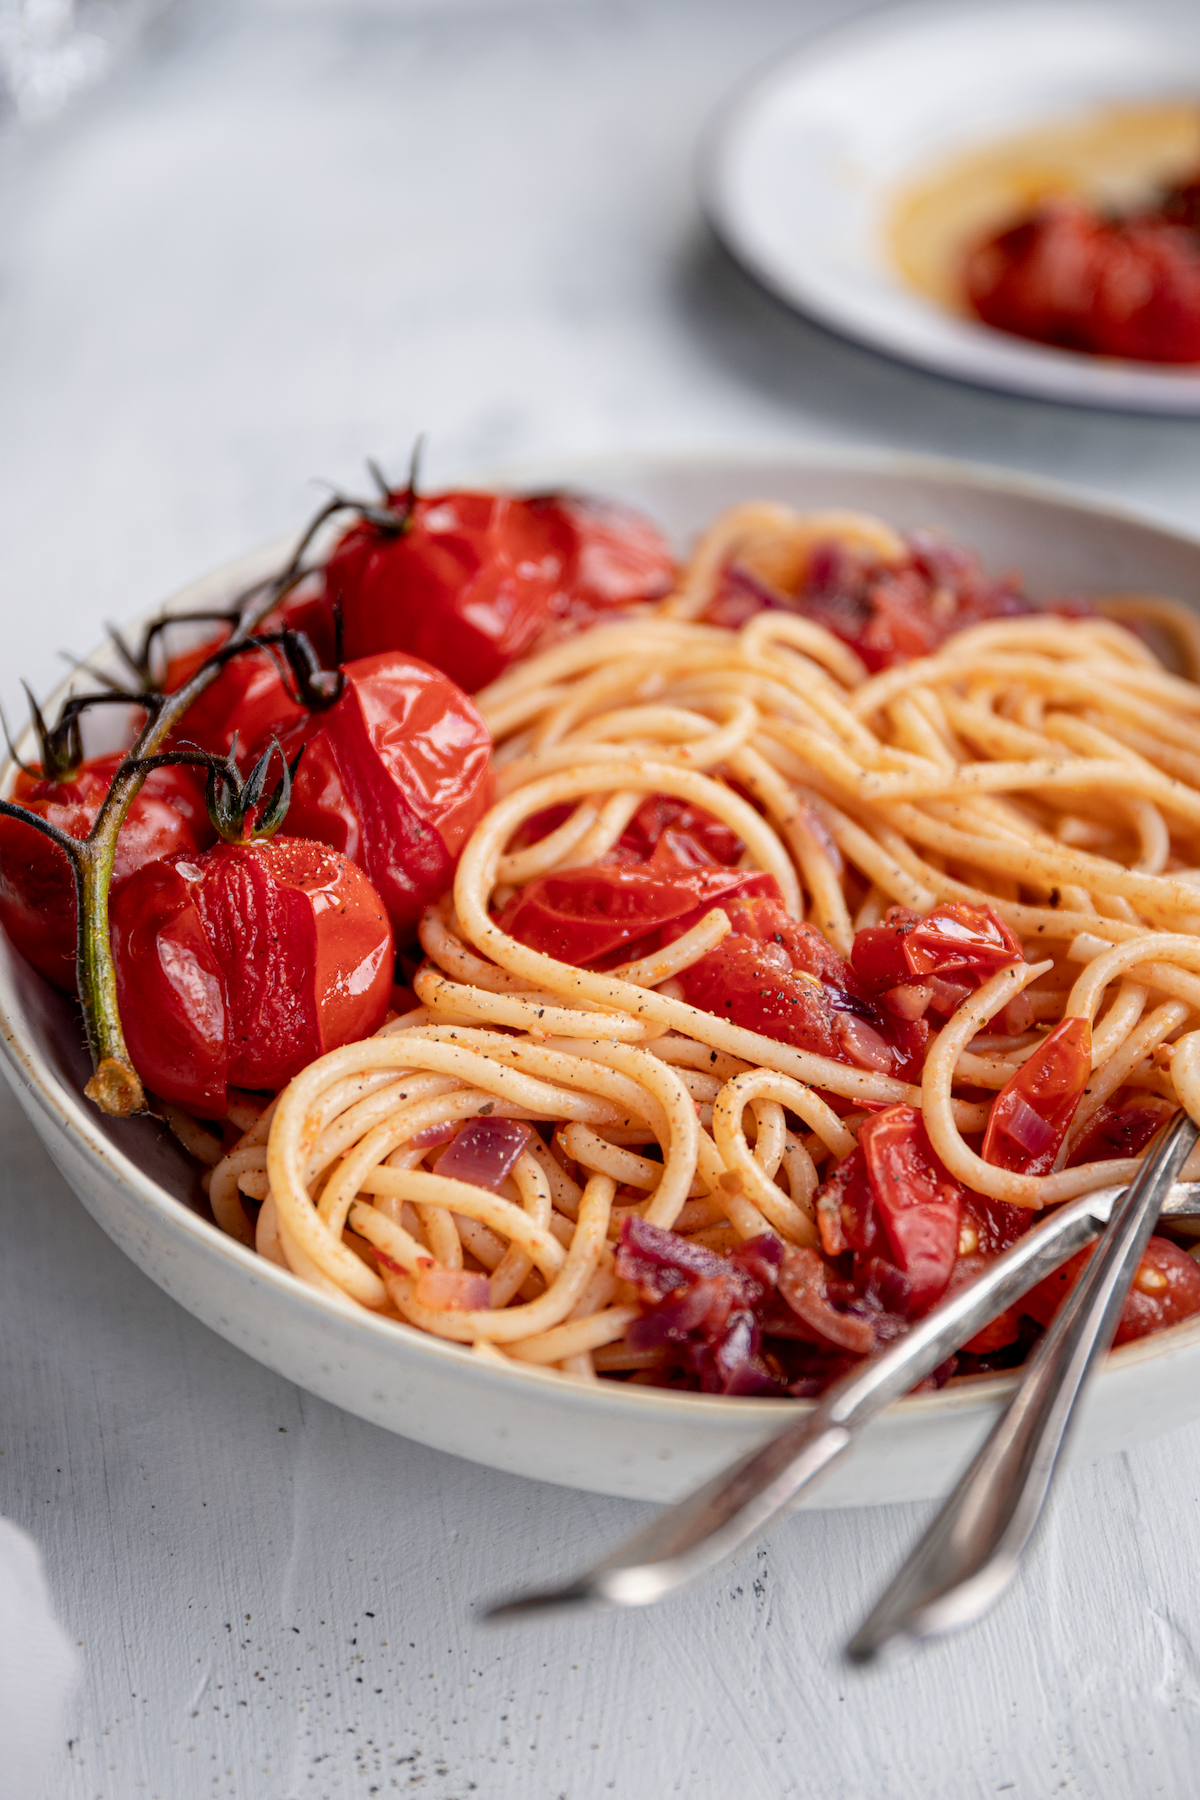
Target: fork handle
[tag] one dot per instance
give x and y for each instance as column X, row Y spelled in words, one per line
column 972, row 1550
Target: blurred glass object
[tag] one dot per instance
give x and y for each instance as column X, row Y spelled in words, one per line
column 52, row 50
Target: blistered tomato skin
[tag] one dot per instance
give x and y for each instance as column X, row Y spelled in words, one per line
column 396, row 775
column 474, row 579
column 37, row 888
column 242, row 966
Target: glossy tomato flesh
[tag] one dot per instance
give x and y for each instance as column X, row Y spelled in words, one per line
column 474, row 578
column 240, row 967
column 1031, row 1114
column 37, row 888
column 396, row 775
column 1165, row 1291
column 781, row 978
column 583, row 915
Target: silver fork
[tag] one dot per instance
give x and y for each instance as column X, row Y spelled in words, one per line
column 699, row 1533
column 974, row 1547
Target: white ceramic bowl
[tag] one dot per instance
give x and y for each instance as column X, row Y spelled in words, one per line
column 136, row 1182
column 800, row 171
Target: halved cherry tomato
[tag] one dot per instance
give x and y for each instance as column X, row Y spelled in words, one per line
column 396, row 775
column 1166, row 1290
column 583, row 915
column 473, row 578
column 665, row 827
column 240, row 966
column 915, row 964
column 1031, row 1113
column 781, row 978
column 918, row 1202
column 37, row 888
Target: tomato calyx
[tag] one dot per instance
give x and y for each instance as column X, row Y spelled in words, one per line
column 237, row 809
column 61, row 744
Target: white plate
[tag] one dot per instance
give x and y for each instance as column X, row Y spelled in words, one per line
column 636, row 1441
column 799, row 171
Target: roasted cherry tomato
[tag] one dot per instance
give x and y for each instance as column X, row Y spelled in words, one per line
column 583, row 915
column 664, row 828
column 1114, row 287
column 37, row 888
column 1166, row 1290
column 240, row 966
column 915, row 964
column 250, row 696
column 1031, row 1113
column 918, row 1203
column 781, row 978
column 396, row 775
column 472, row 579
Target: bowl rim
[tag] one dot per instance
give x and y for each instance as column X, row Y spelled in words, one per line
column 65, row 1111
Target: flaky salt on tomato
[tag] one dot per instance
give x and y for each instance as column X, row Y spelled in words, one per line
column 469, row 581
column 239, row 967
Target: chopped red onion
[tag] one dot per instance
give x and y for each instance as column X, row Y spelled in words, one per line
column 451, row 1290
column 863, row 1044
column 484, row 1151
column 910, row 999
column 434, row 1134
column 1029, row 1130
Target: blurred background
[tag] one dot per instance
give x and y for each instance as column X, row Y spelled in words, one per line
column 280, row 235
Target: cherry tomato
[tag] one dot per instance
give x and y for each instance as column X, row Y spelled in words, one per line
column 37, row 888
column 240, row 966
column 666, row 828
column 1114, row 287
column 919, row 1204
column 249, row 699
column 583, row 915
column 395, row 775
column 1166, row 1290
column 249, row 696
column 1031, row 1113
column 783, row 979
column 916, row 964
column 474, row 578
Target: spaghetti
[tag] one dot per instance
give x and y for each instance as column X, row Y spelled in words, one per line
column 1038, row 772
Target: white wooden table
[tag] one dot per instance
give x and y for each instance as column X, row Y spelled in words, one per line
column 292, row 234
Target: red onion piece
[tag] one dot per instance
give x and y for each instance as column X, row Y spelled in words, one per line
column 450, row 1290
column 802, row 1283
column 484, row 1151
column 1029, row 1130
column 434, row 1134
column 863, row 1044
column 910, row 999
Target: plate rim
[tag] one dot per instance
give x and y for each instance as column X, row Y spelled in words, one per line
column 999, row 362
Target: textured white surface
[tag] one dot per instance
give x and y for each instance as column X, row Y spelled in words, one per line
column 292, row 234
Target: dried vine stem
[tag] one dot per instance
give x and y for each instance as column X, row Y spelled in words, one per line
column 115, row 1086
